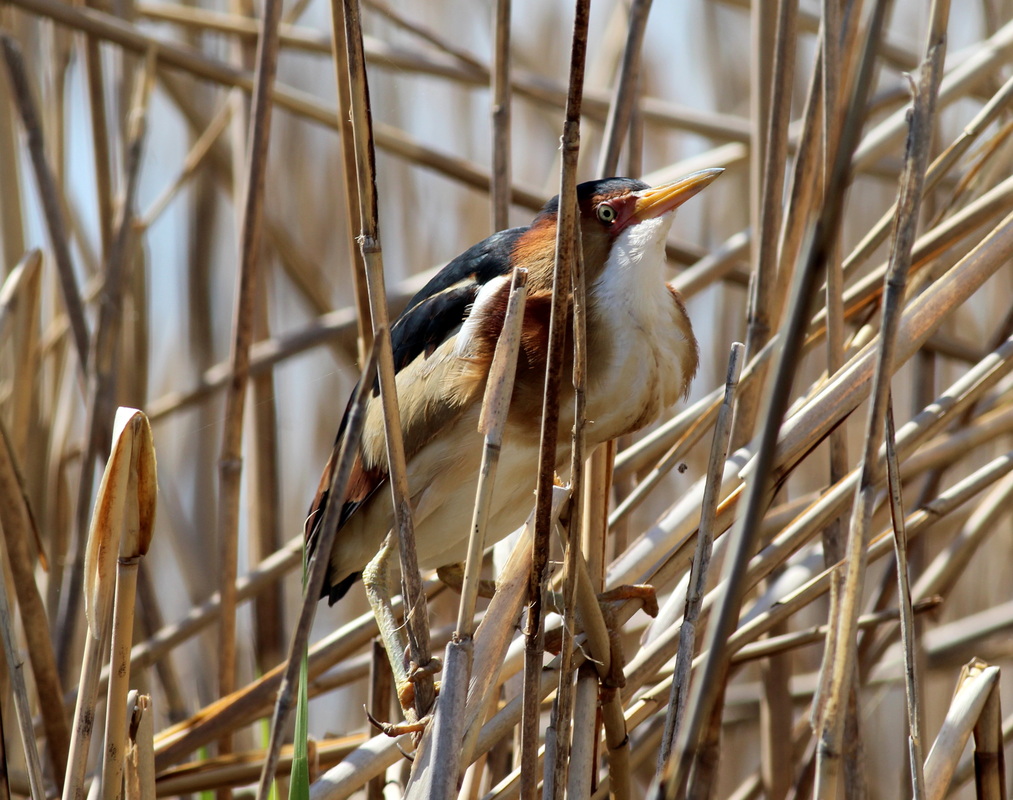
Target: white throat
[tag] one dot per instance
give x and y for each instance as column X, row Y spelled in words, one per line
column 635, row 270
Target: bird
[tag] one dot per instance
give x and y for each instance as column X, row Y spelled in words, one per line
column 641, row 358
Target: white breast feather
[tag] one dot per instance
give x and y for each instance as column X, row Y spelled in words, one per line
column 645, row 373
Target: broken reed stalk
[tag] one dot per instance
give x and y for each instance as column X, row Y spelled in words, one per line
column 135, row 539
column 416, row 617
column 231, row 453
column 317, row 567
column 989, row 752
column 139, row 778
column 976, row 684
column 566, row 242
column 701, row 559
column 838, row 664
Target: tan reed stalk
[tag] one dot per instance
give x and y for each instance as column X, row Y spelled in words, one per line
column 290, row 35
column 381, row 690
column 118, row 503
column 501, row 101
column 135, row 539
column 21, row 304
column 977, row 682
column 908, row 633
column 989, row 755
column 416, row 617
column 566, row 238
column 12, row 238
column 265, row 514
column 317, row 566
column 774, row 53
column 357, row 266
column 134, row 542
column 230, row 456
column 574, row 569
column 436, row 771
column 701, row 559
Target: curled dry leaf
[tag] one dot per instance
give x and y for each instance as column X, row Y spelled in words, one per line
column 125, row 495
column 139, row 521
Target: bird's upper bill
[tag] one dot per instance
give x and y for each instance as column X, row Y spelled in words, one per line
column 660, row 200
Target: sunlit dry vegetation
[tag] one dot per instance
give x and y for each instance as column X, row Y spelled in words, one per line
column 184, row 189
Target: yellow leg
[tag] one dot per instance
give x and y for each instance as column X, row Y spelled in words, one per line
column 376, row 577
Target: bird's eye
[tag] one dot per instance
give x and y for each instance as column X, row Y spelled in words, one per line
column 606, row 214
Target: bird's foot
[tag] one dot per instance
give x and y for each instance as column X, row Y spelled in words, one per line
column 643, row 592
column 453, row 576
column 398, row 729
column 415, row 673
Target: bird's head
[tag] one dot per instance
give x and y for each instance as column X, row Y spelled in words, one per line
column 620, row 218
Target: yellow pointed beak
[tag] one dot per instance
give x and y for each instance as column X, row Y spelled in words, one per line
column 660, row 200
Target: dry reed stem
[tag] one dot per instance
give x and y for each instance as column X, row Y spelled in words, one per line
column 908, row 633
column 491, row 423
column 501, row 100
column 135, row 539
column 989, row 756
column 567, row 238
column 496, row 629
column 381, row 690
column 949, row 229
column 701, row 559
column 238, row 769
column 775, row 52
column 416, row 617
column 117, row 503
column 357, row 267
column 230, row 455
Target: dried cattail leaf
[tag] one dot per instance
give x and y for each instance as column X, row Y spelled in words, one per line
column 107, row 523
column 143, row 493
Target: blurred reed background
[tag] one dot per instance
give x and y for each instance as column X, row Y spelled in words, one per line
column 125, row 169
